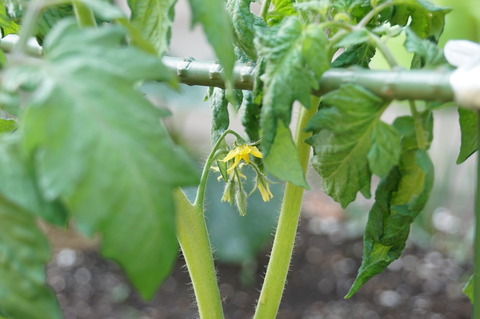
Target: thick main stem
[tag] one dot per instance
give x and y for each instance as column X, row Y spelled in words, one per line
column 284, row 241
column 476, row 263
column 195, row 244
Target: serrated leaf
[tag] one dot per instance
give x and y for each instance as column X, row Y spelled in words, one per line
column 18, row 184
column 398, row 200
column 468, row 289
column 282, row 161
column 468, row 120
column 244, row 24
column 426, row 19
column 7, row 25
column 405, row 125
column 51, row 16
column 218, row 28
column 286, row 78
column 427, row 54
column 220, row 117
column 360, row 55
column 154, row 18
column 24, row 252
column 251, row 117
column 346, row 143
column 385, row 150
column 281, row 10
column 100, row 144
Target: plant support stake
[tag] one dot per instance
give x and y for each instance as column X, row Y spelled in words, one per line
column 399, row 84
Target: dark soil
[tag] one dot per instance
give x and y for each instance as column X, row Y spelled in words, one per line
column 421, row 284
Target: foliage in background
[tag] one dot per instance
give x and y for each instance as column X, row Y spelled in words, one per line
column 81, row 143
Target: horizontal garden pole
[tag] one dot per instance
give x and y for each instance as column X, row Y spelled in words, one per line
column 399, row 84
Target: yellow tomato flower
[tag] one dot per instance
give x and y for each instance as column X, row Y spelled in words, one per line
column 241, row 152
column 264, row 189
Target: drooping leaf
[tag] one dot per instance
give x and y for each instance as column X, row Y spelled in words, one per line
column 106, row 153
column 18, row 184
column 244, row 24
column 287, row 50
column 360, row 55
column 220, row 118
column 426, row 19
column 349, row 142
column 218, row 28
column 283, row 161
column 24, row 252
column 469, row 126
column 468, row 289
column 154, row 18
column 398, row 200
column 427, row 54
column 251, row 117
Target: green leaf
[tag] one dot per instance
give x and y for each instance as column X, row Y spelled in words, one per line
column 385, row 150
column 287, row 50
column 18, row 183
column 218, row 28
column 468, row 289
column 100, row 144
column 154, row 18
column 426, row 19
column 360, row 55
column 469, row 126
column 7, row 125
column 24, row 252
column 405, row 125
column 356, row 37
column 398, row 200
column 235, row 238
column 281, row 10
column 244, row 24
column 282, row 161
column 220, row 117
column 7, row 25
column 427, row 54
column 50, row 17
column 350, row 142
column 251, row 117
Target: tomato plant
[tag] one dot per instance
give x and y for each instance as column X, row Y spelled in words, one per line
column 80, row 143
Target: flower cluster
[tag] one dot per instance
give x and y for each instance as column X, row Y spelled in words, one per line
column 235, row 160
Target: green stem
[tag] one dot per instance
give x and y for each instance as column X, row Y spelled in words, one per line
column 84, row 15
column 366, row 19
column 200, row 198
column 476, row 264
column 387, row 54
column 279, row 263
column 27, row 30
column 195, row 244
column 422, row 143
column 265, row 8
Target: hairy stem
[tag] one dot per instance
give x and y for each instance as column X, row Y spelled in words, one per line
column 476, row 263
column 200, row 198
column 195, row 244
column 84, row 15
column 27, row 30
column 366, row 19
column 282, row 249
